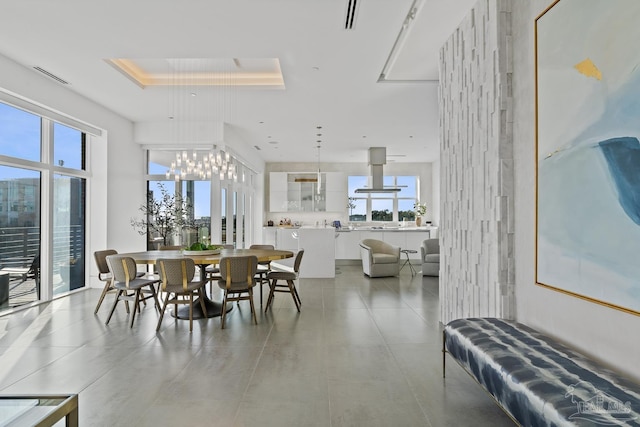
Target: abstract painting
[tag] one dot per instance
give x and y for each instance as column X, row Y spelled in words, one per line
column 588, row 150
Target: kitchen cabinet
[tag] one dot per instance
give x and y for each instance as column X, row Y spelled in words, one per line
column 278, row 194
column 348, row 242
column 348, row 245
column 298, row 192
column 269, row 236
column 336, row 192
column 286, row 239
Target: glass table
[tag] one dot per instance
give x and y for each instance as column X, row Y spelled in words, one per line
column 38, row 410
column 408, row 261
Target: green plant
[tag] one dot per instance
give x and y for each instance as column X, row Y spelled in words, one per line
column 351, row 205
column 164, row 216
column 420, row 208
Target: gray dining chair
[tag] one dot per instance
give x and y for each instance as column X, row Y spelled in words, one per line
column 125, row 280
column 176, row 280
column 212, row 272
column 264, row 267
column 288, row 277
column 237, row 282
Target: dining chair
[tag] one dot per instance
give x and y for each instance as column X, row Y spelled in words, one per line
column 125, row 280
column 176, row 278
column 104, row 275
column 212, row 271
column 264, row 267
column 238, row 280
column 289, row 277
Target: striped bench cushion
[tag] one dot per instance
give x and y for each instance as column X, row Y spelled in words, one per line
column 537, row 380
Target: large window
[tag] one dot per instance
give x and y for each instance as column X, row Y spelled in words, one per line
column 38, row 153
column 395, row 207
column 20, row 133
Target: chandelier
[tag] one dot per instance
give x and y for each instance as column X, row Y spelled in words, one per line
column 203, row 165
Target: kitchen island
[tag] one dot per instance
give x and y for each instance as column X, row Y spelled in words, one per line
column 319, row 260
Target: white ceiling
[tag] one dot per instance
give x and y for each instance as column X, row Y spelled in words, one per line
column 330, row 74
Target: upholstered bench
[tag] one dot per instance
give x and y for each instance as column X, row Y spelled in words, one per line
column 537, row 380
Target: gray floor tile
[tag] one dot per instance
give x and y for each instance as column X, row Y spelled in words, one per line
column 362, row 352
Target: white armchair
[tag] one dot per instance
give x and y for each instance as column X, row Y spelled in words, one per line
column 430, row 251
column 379, row 259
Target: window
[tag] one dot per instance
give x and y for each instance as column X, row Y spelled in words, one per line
column 383, row 206
column 20, row 133
column 32, row 159
column 68, row 147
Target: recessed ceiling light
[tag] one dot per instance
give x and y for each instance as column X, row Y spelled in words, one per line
column 273, row 142
column 193, row 94
column 318, row 127
column 315, row 68
column 364, row 136
column 261, row 122
column 318, row 134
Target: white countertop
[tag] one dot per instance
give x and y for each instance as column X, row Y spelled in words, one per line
column 399, row 229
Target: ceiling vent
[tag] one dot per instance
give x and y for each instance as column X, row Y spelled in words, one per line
column 377, row 158
column 352, row 11
column 51, row 75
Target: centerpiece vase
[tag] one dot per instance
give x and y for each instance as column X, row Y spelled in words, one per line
column 418, row 221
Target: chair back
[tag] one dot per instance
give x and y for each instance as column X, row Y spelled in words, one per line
column 101, row 260
column 123, row 268
column 296, row 263
column 176, row 271
column 262, row 247
column 431, row 246
column 238, row 270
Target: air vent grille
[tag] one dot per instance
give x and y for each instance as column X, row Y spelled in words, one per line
column 51, row 75
column 352, row 11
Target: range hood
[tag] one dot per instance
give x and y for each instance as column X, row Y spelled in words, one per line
column 377, row 158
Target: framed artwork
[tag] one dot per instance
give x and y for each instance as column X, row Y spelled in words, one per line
column 588, row 151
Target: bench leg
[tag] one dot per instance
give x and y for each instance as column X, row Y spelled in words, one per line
column 444, row 354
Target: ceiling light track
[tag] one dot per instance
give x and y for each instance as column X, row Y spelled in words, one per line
column 352, row 11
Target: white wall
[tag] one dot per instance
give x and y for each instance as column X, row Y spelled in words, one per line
column 476, row 159
column 603, row 332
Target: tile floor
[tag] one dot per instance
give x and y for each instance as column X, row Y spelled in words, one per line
column 363, row 352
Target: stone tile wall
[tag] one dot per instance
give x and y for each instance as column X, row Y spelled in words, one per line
column 476, row 159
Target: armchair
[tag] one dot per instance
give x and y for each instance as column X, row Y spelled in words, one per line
column 379, row 259
column 430, row 254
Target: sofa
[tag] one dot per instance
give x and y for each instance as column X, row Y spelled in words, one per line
column 430, row 255
column 379, row 259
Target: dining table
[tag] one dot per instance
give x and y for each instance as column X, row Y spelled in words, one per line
column 214, row 308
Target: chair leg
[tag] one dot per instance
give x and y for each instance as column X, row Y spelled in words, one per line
column 113, row 308
column 253, row 309
column 155, row 296
column 224, row 310
column 272, row 287
column 164, row 307
column 107, row 288
column 191, row 312
column 136, row 305
column 292, row 291
column 295, row 290
column 202, row 304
